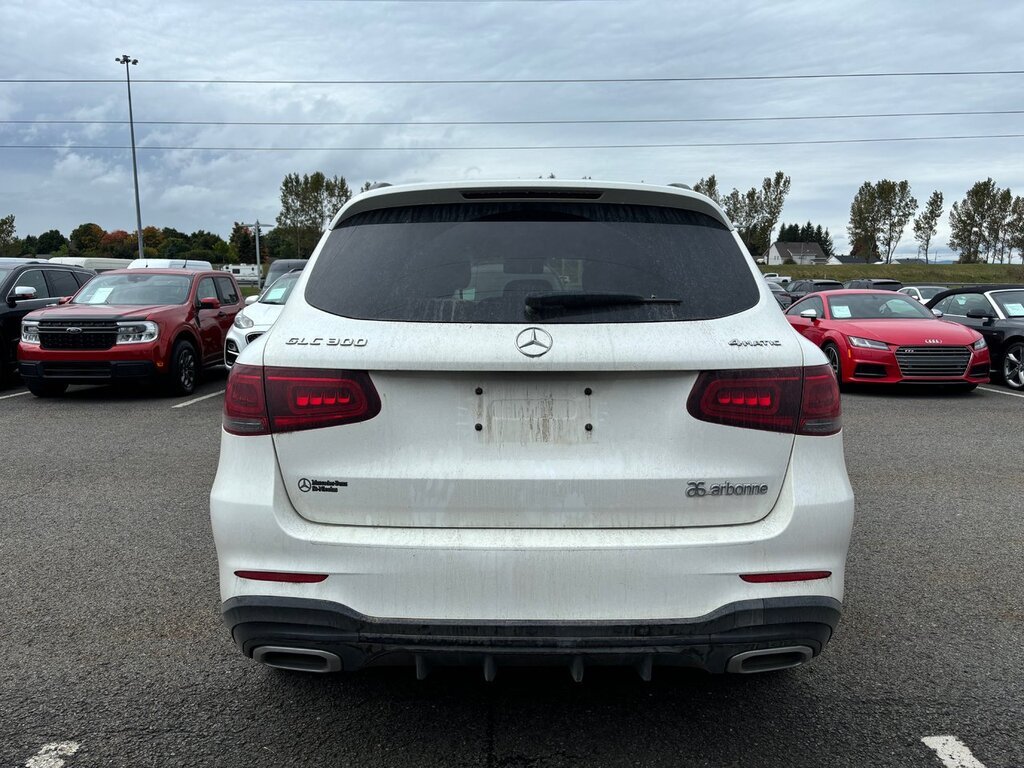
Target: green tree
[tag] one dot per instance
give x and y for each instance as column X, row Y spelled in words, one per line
column 119, row 244
column 977, row 220
column 926, row 224
column 243, row 244
column 755, row 212
column 292, row 218
column 29, row 246
column 896, row 206
column 173, row 248
column 201, row 240
column 51, row 242
column 709, row 188
column 85, row 239
column 7, row 234
column 878, row 214
column 864, row 223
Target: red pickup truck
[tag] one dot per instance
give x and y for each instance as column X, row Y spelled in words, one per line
column 155, row 325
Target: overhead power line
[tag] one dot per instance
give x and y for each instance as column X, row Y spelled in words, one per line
column 530, row 81
column 525, row 147
column 623, row 121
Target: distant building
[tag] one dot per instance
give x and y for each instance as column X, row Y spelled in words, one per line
column 852, row 258
column 797, row 253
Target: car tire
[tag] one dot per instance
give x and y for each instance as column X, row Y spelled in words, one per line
column 183, row 376
column 1013, row 365
column 46, row 388
column 832, row 354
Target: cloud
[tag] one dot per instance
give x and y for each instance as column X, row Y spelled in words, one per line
column 622, row 39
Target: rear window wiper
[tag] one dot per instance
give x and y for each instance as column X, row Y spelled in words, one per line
column 591, row 300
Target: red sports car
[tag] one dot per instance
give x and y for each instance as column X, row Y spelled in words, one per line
column 886, row 338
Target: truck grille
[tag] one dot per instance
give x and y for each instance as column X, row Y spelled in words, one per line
column 87, row 334
column 933, row 362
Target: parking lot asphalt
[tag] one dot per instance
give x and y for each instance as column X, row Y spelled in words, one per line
column 114, row 653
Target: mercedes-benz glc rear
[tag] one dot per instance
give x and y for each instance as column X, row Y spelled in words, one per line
column 527, row 423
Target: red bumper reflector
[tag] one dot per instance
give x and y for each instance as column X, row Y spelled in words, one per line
column 289, row 578
column 766, row 578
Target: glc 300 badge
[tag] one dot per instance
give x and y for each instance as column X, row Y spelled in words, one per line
column 534, row 342
column 755, row 343
column 320, row 341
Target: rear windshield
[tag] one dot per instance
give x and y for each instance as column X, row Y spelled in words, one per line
column 511, row 262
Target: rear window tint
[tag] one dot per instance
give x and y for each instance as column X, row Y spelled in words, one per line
column 478, row 262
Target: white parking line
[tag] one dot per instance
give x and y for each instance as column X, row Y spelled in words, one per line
column 952, row 752
column 50, row 755
column 198, row 399
column 16, row 394
column 1002, row 392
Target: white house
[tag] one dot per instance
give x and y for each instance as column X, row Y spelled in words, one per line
column 797, row 253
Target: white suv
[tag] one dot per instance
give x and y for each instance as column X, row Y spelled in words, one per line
column 624, row 456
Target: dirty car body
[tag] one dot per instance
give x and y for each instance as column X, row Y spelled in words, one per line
column 624, row 456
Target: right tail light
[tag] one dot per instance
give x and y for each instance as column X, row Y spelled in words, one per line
column 801, row 401
column 261, row 401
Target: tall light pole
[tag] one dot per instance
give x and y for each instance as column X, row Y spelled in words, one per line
column 128, row 60
column 259, row 256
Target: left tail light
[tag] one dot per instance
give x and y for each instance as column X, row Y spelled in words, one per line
column 261, row 401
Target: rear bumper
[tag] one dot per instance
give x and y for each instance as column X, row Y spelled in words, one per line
column 728, row 639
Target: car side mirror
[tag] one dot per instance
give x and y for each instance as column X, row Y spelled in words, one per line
column 937, row 312
column 21, row 293
column 810, row 314
column 977, row 314
column 251, row 300
column 209, row 303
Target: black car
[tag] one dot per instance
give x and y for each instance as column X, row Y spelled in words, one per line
column 781, row 294
column 28, row 284
column 797, row 289
column 283, row 267
column 874, row 283
column 997, row 313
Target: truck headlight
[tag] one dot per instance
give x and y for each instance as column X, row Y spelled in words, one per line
column 136, row 331
column 29, row 332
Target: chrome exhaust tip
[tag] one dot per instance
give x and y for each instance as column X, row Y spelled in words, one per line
column 297, row 659
column 769, row 659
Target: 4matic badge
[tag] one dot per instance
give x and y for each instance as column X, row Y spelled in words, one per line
column 307, row 485
column 755, row 343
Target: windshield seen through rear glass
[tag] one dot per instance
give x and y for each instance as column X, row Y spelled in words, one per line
column 279, row 292
column 1010, row 302
column 872, row 306
column 515, row 262
column 139, row 289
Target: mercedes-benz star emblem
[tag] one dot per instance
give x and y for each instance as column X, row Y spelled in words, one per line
column 533, row 342
column 304, row 485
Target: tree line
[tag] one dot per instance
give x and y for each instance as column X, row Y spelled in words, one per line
column 987, row 225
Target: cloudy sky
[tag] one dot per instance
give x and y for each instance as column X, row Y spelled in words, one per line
column 190, row 180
